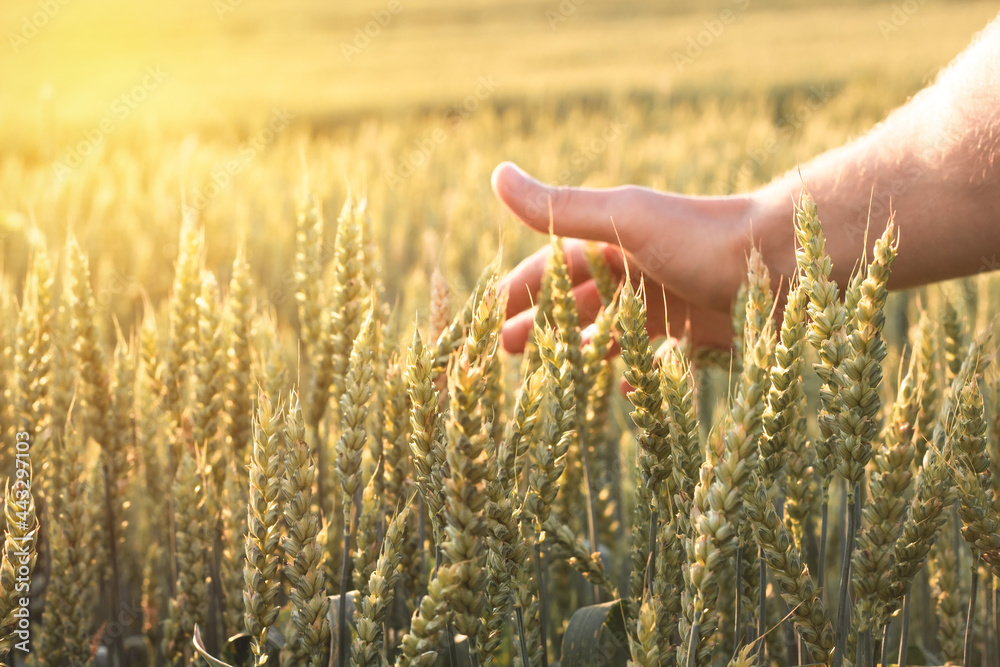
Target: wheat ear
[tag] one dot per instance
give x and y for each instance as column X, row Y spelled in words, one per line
column 369, row 647
column 303, row 553
column 261, row 572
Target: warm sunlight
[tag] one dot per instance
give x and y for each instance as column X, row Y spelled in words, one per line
column 499, row 333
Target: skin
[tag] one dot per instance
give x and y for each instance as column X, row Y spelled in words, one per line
column 931, row 165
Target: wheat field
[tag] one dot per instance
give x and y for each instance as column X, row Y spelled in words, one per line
column 253, row 402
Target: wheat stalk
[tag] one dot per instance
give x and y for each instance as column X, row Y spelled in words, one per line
column 368, row 648
column 943, row 570
column 303, row 553
column 454, row 335
column 420, row 645
column 368, row 535
column 440, row 315
column 798, row 590
column 210, row 368
column 859, row 377
column 189, row 604
column 927, row 370
column 882, row 518
column 261, row 572
column 232, row 559
column 349, row 451
column 98, row 404
column 465, row 484
column 64, row 636
column 8, row 342
column 308, row 271
column 655, row 488
column 567, row 321
column 954, row 340
column 239, row 387
column 183, row 320
column 607, row 286
column 645, row 648
column 34, row 353
column 706, row 565
column 507, row 550
column 828, row 336
column 428, row 456
column 780, row 417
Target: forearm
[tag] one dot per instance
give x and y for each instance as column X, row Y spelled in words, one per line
column 934, row 163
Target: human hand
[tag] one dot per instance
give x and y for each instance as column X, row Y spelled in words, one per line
column 689, row 251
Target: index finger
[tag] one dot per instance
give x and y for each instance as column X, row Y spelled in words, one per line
column 585, row 213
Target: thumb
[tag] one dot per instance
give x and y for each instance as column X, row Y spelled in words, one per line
column 583, row 213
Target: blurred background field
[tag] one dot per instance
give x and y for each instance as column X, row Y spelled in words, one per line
column 114, row 113
column 228, row 59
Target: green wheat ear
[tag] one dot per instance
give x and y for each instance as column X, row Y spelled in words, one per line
column 974, row 476
column 428, row 455
column 310, row 631
column 65, row 633
column 180, row 354
column 785, row 395
column 210, row 364
column 189, row 605
column 381, row 586
column 861, row 373
column 345, row 307
column 261, row 572
column 309, row 271
column 354, row 413
column 655, row 490
column 239, row 387
column 827, row 329
column 883, row 516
